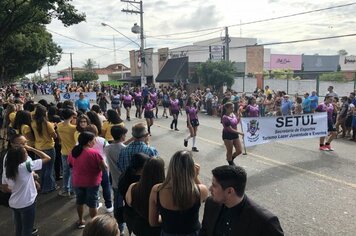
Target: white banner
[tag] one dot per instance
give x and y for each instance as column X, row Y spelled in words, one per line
column 260, row 130
column 75, row 96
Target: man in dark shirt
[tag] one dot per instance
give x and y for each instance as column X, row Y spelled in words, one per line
column 230, row 212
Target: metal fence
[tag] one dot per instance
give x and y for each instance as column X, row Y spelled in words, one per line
column 293, row 86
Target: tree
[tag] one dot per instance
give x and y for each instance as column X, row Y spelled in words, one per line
column 15, row 14
column 90, row 64
column 216, row 74
column 27, row 51
column 85, row 76
column 342, row 52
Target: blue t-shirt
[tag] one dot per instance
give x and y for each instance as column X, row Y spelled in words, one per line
column 314, row 101
column 286, row 107
column 82, row 104
column 306, row 105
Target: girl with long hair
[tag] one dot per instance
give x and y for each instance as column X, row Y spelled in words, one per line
column 18, row 172
column 138, row 102
column 113, row 119
column 22, row 124
column 230, row 134
column 154, row 98
column 127, row 101
column 138, row 195
column 148, row 107
column 82, row 122
column 44, row 140
column 95, row 120
column 87, row 165
column 177, row 200
column 252, row 108
column 174, row 110
column 192, row 123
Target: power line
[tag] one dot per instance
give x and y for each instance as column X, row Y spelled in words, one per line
column 197, row 36
column 262, row 20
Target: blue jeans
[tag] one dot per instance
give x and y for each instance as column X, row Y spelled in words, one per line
column 24, row 220
column 106, row 186
column 119, row 208
column 48, row 182
column 67, row 175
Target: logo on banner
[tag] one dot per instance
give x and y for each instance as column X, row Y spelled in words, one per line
column 66, row 96
column 252, row 129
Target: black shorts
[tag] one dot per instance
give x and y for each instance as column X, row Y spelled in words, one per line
column 229, row 136
column 127, row 105
column 165, row 104
column 175, row 112
column 148, row 114
column 194, row 122
column 331, row 126
column 138, row 103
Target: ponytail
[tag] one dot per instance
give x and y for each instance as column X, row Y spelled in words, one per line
column 83, row 139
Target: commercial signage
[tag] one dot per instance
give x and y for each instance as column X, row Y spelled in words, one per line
column 259, row 130
column 216, row 52
column 75, row 96
column 348, row 63
column 282, row 61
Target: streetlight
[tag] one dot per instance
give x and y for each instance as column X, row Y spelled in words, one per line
column 104, row 24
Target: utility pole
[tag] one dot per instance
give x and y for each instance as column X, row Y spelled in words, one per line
column 113, row 40
column 71, row 66
column 227, row 42
column 142, row 49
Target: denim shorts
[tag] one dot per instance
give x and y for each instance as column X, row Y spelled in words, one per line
column 88, row 196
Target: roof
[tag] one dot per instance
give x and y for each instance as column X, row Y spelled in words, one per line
column 173, row 70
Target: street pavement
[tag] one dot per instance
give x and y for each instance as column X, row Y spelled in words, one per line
column 312, row 192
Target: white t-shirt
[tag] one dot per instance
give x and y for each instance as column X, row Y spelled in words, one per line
column 23, row 189
column 100, row 144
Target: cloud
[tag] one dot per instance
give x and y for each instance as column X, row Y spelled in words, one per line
column 203, row 17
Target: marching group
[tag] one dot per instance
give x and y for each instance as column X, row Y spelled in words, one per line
column 94, row 153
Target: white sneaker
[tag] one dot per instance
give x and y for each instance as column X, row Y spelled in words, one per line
column 109, row 210
column 100, row 205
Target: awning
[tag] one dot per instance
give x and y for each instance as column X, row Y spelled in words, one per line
column 174, row 70
column 64, row 79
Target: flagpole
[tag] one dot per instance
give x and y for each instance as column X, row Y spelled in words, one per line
column 242, row 130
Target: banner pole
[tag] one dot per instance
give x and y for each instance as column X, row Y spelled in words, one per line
column 242, row 130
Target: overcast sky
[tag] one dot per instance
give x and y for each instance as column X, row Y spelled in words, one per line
column 162, row 17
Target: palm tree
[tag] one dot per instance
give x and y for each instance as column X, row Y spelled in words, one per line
column 89, row 64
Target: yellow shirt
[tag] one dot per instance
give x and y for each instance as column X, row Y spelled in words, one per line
column 76, row 136
column 27, row 132
column 12, row 117
column 106, row 130
column 66, row 134
column 45, row 140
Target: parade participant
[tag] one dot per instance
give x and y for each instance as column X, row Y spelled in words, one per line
column 230, row 212
column 127, row 101
column 44, row 140
column 230, row 134
column 116, row 101
column 252, row 109
column 138, row 103
column 154, row 99
column 328, row 107
column 113, row 119
column 82, row 103
column 298, row 109
column 82, row 122
column 103, row 102
column 87, row 166
column 174, row 111
column 314, row 100
column 138, row 195
column 192, row 123
column 99, row 144
column 177, row 200
column 306, row 104
column 165, row 102
column 19, row 178
column 353, row 124
column 148, row 107
column 66, row 132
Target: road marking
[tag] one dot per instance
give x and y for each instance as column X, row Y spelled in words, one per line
column 283, row 164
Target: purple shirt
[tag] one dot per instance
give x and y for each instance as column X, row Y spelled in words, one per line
column 229, row 121
column 138, row 96
column 175, row 105
column 148, row 106
column 327, row 108
column 192, row 112
column 153, row 97
column 127, row 99
column 253, row 111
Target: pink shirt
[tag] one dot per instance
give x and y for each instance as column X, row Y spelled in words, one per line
column 86, row 168
column 229, row 121
column 253, row 110
column 192, row 112
column 175, row 105
column 127, row 99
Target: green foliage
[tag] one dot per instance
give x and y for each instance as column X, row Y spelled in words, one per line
column 90, row 64
column 27, row 51
column 85, row 76
column 113, row 83
column 282, row 74
column 333, row 76
column 216, row 74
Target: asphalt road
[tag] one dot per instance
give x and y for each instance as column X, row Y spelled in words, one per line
column 312, row 192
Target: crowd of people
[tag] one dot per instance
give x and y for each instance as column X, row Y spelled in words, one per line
column 86, row 145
